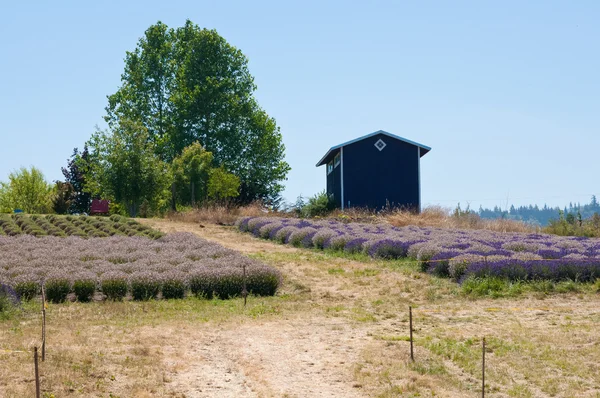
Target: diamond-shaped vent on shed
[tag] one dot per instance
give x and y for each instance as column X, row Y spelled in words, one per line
column 380, row 144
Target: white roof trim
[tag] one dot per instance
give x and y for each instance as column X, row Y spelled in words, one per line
column 333, row 148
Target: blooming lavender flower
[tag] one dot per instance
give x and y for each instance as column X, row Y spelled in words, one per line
column 337, row 242
column 302, row 237
column 511, row 255
column 282, row 236
column 322, row 236
column 354, row 245
column 459, row 264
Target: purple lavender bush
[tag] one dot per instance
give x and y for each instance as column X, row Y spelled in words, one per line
column 458, row 254
column 120, row 266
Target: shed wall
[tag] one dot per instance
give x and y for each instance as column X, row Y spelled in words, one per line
column 374, row 178
column 334, row 186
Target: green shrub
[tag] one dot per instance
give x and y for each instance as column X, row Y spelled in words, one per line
column 114, row 288
column 154, row 234
column 5, row 303
column 543, row 286
column 57, row 289
column 228, row 285
column 173, row 289
column 319, row 205
column 201, row 285
column 489, row 286
column 263, row 283
column 117, row 218
column 27, row 289
column 84, row 289
column 144, row 287
column 568, row 286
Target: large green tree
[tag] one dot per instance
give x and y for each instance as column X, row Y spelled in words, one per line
column 147, row 87
column 222, row 185
column 123, row 166
column 191, row 173
column 188, row 84
column 26, row 189
column 196, row 180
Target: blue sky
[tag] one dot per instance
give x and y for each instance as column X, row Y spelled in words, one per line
column 506, row 93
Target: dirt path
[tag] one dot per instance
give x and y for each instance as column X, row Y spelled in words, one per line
column 275, row 360
column 306, row 356
column 347, row 335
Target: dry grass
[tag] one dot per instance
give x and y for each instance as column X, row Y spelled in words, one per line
column 339, row 327
column 433, row 216
column 113, row 349
column 440, row 217
column 217, row 214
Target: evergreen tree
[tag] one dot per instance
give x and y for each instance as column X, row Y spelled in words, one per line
column 74, row 173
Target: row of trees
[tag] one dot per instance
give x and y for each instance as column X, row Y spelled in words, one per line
column 126, row 170
column 534, row 214
column 124, row 167
column 184, row 129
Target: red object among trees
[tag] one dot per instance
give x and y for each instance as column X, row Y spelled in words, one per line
column 99, row 206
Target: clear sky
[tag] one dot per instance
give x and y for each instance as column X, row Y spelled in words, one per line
column 506, row 93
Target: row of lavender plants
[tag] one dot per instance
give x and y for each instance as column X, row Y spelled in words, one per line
column 458, row 254
column 71, row 225
column 170, row 267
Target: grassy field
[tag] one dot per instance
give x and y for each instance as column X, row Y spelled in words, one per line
column 338, row 327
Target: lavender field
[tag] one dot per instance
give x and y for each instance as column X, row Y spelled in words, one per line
column 171, row 267
column 71, row 225
column 458, row 254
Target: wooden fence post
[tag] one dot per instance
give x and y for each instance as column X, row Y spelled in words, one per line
column 43, row 323
column 412, row 356
column 244, row 289
column 483, row 368
column 37, row 373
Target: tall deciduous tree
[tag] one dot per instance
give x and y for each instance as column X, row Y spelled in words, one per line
column 27, row 190
column 123, row 166
column 188, row 84
column 147, row 87
column 191, row 172
column 222, row 185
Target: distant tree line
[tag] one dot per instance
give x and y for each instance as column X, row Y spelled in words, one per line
column 543, row 216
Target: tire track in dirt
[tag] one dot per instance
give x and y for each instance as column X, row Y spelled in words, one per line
column 307, row 356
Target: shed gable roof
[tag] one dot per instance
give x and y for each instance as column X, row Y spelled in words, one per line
column 333, row 149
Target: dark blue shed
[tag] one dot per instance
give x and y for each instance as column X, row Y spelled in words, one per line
column 374, row 171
